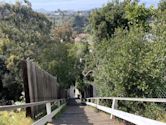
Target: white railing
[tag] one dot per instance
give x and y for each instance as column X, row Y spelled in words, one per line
column 138, row 120
column 45, row 119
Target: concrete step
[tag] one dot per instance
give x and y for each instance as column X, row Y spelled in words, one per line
column 82, row 115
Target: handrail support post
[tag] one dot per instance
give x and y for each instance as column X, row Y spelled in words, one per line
column 114, row 106
column 98, row 101
column 48, row 109
column 59, row 103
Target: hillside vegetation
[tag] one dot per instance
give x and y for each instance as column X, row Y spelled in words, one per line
column 121, row 50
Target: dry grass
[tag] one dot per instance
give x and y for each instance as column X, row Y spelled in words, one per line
column 14, row 118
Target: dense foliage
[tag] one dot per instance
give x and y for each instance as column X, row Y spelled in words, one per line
column 128, row 59
column 24, row 34
column 131, row 61
column 104, row 21
column 122, row 55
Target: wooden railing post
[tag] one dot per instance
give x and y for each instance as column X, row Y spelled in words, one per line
column 59, row 103
column 48, row 109
column 98, row 101
column 114, row 106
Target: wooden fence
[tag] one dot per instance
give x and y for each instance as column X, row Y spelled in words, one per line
column 38, row 86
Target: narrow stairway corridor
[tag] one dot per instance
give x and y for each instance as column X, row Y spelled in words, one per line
column 80, row 114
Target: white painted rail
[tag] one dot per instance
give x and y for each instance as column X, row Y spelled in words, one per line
column 12, row 107
column 45, row 119
column 133, row 99
column 138, row 120
column 48, row 117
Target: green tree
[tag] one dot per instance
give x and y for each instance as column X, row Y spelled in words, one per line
column 162, row 5
column 23, row 34
column 79, row 22
column 104, row 21
column 131, row 61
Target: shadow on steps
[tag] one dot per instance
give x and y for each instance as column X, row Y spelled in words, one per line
column 75, row 102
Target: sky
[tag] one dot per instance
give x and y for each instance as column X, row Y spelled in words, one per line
column 51, row 5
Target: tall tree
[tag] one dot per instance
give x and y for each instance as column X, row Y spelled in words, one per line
column 23, row 34
column 104, row 21
column 162, row 5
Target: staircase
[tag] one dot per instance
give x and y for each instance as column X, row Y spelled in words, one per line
column 74, row 102
column 77, row 113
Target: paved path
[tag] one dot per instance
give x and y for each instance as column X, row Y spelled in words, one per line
column 83, row 115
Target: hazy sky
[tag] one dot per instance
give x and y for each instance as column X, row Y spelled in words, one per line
column 74, row 4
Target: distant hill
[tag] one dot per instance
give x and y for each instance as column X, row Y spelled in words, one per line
column 78, row 19
column 42, row 11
